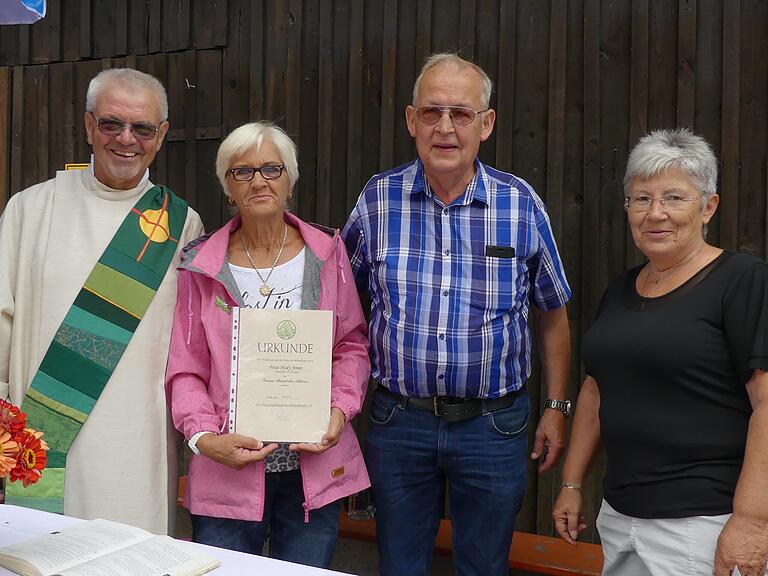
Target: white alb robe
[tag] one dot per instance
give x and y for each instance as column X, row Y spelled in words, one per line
column 123, row 464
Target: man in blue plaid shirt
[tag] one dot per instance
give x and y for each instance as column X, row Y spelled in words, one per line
column 454, row 254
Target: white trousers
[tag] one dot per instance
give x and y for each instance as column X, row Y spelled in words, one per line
column 665, row 547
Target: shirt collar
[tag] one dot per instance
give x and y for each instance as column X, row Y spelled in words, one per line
column 477, row 189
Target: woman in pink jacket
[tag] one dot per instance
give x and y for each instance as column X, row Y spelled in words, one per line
column 241, row 490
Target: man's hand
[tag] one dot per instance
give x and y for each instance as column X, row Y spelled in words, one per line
column 742, row 543
column 549, row 442
column 567, row 515
column 234, row 450
column 331, row 438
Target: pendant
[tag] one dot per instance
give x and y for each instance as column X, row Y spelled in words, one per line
column 264, row 290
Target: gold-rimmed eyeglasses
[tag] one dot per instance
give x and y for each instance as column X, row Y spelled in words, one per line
column 459, row 115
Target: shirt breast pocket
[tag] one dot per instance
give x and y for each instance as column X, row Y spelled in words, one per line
column 504, row 277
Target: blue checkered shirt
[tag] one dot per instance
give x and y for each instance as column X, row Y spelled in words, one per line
column 449, row 300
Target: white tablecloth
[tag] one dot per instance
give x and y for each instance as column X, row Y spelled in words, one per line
column 18, row 524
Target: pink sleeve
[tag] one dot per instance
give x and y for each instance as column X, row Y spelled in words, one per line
column 351, row 367
column 189, row 364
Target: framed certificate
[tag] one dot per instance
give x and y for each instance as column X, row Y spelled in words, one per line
column 280, row 382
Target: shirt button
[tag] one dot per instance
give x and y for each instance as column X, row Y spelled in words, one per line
column 447, row 252
column 441, row 376
column 442, row 336
column 445, row 292
column 445, row 211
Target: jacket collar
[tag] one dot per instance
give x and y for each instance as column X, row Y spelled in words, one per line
column 208, row 254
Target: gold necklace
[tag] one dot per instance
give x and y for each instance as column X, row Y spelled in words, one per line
column 265, row 289
column 674, row 269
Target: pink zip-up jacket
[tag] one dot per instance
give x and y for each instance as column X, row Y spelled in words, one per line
column 197, row 377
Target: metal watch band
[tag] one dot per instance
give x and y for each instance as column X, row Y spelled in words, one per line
column 563, row 406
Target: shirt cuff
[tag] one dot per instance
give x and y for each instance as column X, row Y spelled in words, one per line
column 193, row 441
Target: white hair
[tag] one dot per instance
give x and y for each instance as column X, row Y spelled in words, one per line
column 252, row 136
column 680, row 148
column 129, row 79
column 459, row 64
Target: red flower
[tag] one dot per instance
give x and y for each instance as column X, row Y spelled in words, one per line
column 32, row 458
column 11, row 418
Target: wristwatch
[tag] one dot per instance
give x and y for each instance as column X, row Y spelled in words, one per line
column 563, row 406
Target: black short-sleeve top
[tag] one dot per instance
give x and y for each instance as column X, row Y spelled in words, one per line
column 671, row 371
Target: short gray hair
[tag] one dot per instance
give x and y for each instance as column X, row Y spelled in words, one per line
column 127, row 78
column 679, row 148
column 459, row 64
column 253, row 135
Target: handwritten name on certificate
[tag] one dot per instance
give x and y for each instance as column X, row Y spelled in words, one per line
column 280, row 384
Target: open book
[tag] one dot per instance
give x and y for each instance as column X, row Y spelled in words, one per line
column 104, row 548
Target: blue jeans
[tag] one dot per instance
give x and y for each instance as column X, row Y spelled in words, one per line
column 484, row 460
column 290, row 538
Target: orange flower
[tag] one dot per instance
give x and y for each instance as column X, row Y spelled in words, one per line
column 39, row 436
column 11, row 418
column 8, row 452
column 32, row 458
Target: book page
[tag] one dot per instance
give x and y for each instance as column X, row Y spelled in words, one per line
column 282, row 374
column 159, row 555
column 54, row 552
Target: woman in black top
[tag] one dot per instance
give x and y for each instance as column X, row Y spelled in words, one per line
column 676, row 386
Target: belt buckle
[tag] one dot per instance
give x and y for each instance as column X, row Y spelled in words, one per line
column 435, row 404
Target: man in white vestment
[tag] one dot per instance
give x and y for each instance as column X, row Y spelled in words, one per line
column 122, row 464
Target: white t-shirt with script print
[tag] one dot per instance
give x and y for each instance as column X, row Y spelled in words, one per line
column 285, row 285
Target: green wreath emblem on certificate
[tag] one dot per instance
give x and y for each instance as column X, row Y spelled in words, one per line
column 286, row 330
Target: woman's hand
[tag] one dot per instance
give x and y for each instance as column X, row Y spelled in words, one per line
column 329, row 440
column 742, row 543
column 234, row 450
column 567, row 515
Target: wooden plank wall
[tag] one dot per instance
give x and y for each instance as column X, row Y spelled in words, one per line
column 577, row 82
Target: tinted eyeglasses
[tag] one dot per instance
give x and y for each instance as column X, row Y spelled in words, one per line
column 112, row 127
column 246, row 173
column 460, row 115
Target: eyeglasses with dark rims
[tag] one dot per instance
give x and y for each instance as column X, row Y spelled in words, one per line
column 246, row 173
column 459, row 115
column 113, row 127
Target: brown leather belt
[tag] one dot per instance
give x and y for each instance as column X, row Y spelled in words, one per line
column 453, row 409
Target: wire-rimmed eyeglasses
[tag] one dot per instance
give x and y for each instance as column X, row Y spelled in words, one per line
column 246, row 173
column 114, row 127
column 460, row 115
column 643, row 202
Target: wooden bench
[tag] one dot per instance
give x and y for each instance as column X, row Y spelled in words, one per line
column 529, row 552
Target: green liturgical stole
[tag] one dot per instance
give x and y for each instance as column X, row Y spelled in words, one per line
column 94, row 334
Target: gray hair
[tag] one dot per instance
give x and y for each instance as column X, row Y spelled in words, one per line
column 459, row 64
column 680, row 148
column 127, row 78
column 253, row 135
